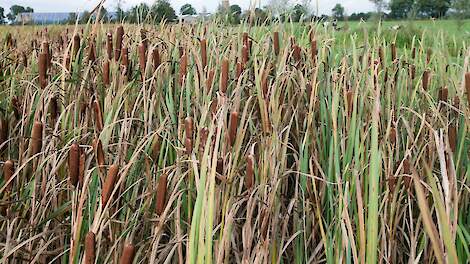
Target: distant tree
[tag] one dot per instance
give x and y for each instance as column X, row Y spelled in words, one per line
column 234, row 15
column 298, row 12
column 162, row 10
column 17, row 9
column 72, row 19
column 187, row 9
column 400, row 8
column 433, row 8
column 2, row 16
column 379, row 5
column 139, row 13
column 460, row 7
column 359, row 16
column 84, row 17
column 104, row 16
column 338, row 12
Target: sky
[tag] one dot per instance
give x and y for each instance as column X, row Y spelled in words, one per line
column 324, row 6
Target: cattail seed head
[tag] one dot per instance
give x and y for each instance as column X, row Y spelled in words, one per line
column 42, row 66
column 296, row 52
column 350, row 99
column 75, row 45
column 81, row 168
column 189, row 127
column 99, row 153
column 91, row 50
column 249, row 179
column 413, row 53
column 314, row 49
column 156, row 59
column 245, row 38
column 426, row 77
column 90, row 246
column 467, row 86
column 276, row 43
column 224, row 76
column 188, row 144
column 412, row 70
column 74, row 163
column 393, row 135
column 203, row 44
column 160, row 203
column 244, row 55
column 36, row 138
column 119, row 38
column 394, row 51
column 210, row 79
column 106, row 80
column 109, row 183
column 239, row 69
column 452, row 133
column 407, row 173
column 109, row 45
column 3, row 132
column 183, row 68
column 98, row 115
column 233, row 127
column 128, row 253
column 156, row 144
column 8, row 171
column 125, row 58
column 142, row 59
column 443, row 94
column 204, row 135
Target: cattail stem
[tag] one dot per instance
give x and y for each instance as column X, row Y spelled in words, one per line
column 109, row 183
column 161, row 194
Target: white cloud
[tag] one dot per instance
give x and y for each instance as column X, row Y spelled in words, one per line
column 324, row 6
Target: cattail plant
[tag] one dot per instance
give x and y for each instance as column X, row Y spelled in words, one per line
column 119, row 38
column 99, row 153
column 160, row 203
column 98, row 115
column 90, row 247
column 232, row 132
column 276, row 43
column 42, row 66
column 188, row 127
column 224, row 76
column 128, row 253
column 36, row 138
column 443, row 94
column 109, row 45
column 74, row 163
column 109, row 183
column 203, row 44
column 8, row 171
column 249, row 178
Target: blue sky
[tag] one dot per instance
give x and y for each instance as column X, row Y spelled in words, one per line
column 324, row 6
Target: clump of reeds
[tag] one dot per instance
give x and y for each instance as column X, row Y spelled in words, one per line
column 90, row 247
column 128, row 253
column 36, row 138
column 160, row 203
column 109, row 183
column 74, row 163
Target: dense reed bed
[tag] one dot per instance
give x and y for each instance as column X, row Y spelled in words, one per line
column 212, row 144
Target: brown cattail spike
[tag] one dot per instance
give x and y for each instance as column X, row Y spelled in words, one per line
column 350, row 99
column 98, row 115
column 156, row 59
column 183, row 68
column 188, row 144
column 90, row 246
column 109, row 183
column 99, row 154
column 74, row 164
column 407, row 173
column 118, row 46
column 8, row 171
column 3, row 133
column 42, row 66
column 244, row 55
column 210, row 79
column 128, row 253
column 203, row 44
column 393, row 136
column 160, row 203
column 443, row 94
column 276, row 43
column 467, row 86
column 106, row 80
column 250, row 179
column 426, row 80
column 233, row 127
column 36, row 138
column 394, row 52
column 296, row 53
column 224, row 76
column 142, row 59
column 314, row 49
column 189, row 127
column 109, row 46
column 76, row 45
column 452, row 138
